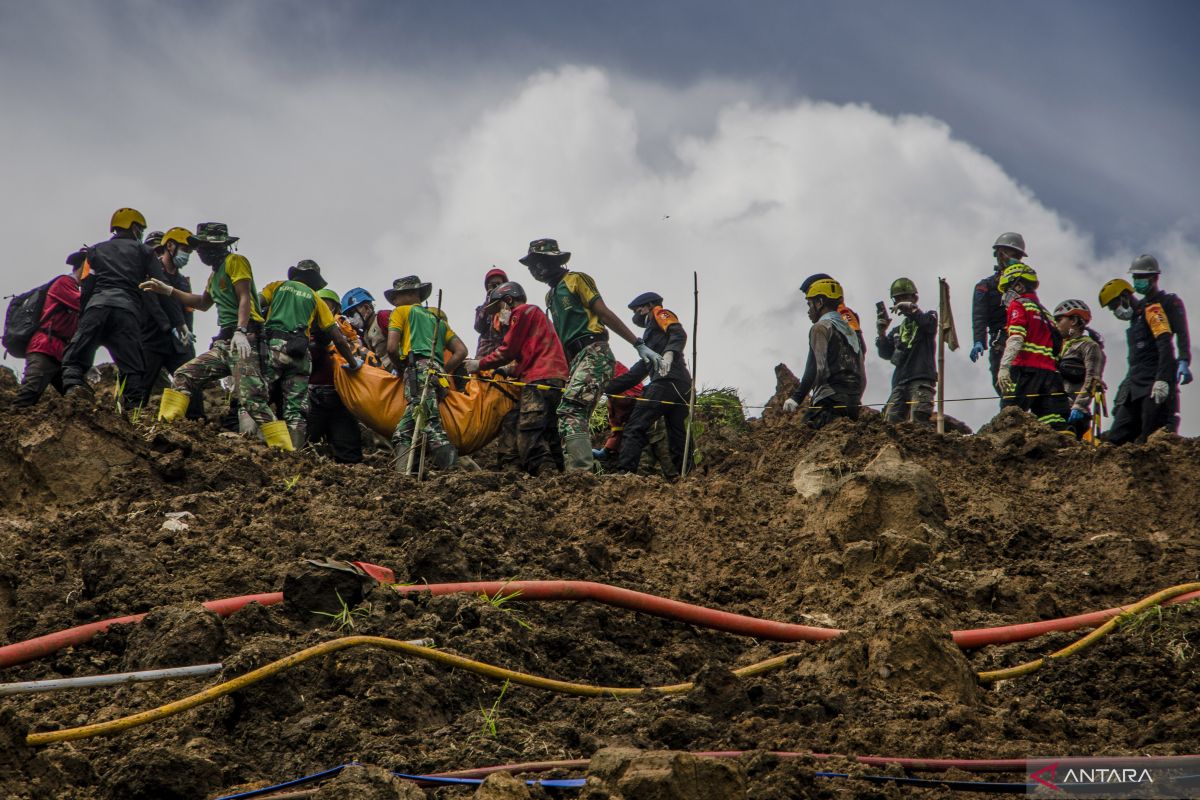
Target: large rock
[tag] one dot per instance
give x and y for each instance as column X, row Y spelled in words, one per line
column 368, row 782
column 628, row 774
column 502, row 786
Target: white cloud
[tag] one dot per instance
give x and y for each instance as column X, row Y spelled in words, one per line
column 377, row 175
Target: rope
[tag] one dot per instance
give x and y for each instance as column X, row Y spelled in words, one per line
column 436, row 656
column 1087, row 641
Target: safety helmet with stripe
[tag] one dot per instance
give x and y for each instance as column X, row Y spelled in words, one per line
column 506, row 291
column 1073, row 308
column 1018, row 272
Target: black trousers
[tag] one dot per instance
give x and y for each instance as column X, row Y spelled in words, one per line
column 41, row 371
column 1041, row 393
column 538, row 447
column 674, row 415
column 121, row 332
column 820, row 414
column 329, row 420
column 1134, row 420
column 164, row 355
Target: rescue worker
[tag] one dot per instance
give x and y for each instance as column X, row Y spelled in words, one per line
column 1147, row 398
column 810, row 367
column 170, row 349
column 988, row 309
column 1081, row 362
column 582, row 321
column 1144, row 272
column 328, row 418
column 837, row 356
column 666, row 397
column 418, row 337
column 1028, row 375
column 234, row 351
column 60, row 317
column 912, row 348
column 292, row 309
column 112, row 308
column 358, row 306
column 530, row 342
column 490, row 334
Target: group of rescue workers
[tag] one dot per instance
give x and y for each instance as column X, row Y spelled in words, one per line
column 280, row 349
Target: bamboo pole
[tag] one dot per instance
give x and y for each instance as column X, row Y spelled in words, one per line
column 687, row 438
column 941, row 370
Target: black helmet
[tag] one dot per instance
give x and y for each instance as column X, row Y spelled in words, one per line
column 504, row 291
column 811, row 279
column 646, row 298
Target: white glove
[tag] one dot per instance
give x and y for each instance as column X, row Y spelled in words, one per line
column 1004, row 379
column 653, row 360
column 1160, row 391
column 471, row 365
column 184, row 335
column 790, row 405
column 241, row 344
column 156, row 286
column 664, row 366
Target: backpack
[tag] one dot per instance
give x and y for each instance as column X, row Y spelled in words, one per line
column 22, row 319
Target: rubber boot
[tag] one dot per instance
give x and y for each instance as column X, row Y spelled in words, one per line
column 299, row 436
column 444, row 457
column 173, row 406
column 276, row 434
column 400, row 450
column 577, row 452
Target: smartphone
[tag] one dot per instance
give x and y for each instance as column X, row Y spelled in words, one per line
column 880, row 309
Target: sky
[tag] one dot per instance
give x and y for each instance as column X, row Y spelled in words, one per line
column 752, row 144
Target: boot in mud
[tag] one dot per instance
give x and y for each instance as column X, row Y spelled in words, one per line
column 577, row 452
column 400, row 451
column 299, row 436
column 444, row 457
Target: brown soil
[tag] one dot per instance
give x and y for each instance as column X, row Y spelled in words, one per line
column 889, row 531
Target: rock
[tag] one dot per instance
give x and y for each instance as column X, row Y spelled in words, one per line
column 626, row 774
column 368, row 782
column 161, row 773
column 502, row 786
column 175, row 636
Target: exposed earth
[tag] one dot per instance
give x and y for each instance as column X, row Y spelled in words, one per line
column 893, row 533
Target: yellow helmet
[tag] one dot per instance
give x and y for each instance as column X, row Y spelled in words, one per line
column 1017, row 272
column 1114, row 289
column 826, row 287
column 177, row 235
column 124, row 218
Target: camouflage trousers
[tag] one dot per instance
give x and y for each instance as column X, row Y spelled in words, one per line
column 223, row 360
column 591, row 370
column 291, row 373
column 910, row 402
column 414, row 381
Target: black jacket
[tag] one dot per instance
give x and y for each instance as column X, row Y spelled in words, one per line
column 1177, row 316
column 1151, row 355
column 915, row 360
column 663, row 334
column 118, row 268
column 987, row 311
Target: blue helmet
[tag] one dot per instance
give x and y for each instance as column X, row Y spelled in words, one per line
column 356, row 296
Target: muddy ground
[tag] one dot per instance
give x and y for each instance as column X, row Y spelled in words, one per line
column 892, row 532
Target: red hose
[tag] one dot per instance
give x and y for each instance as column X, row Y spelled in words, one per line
column 20, row 652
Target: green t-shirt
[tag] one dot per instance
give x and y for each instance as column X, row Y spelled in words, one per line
column 234, row 269
column 570, row 303
column 293, row 306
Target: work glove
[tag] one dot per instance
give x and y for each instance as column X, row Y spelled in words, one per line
column 352, row 365
column 653, row 360
column 976, row 351
column 241, row 344
column 599, row 454
column 1005, row 382
column 156, row 286
column 471, row 365
column 1182, row 374
column 790, row 405
column 1076, row 416
column 1160, row 391
column 664, row 367
column 184, row 336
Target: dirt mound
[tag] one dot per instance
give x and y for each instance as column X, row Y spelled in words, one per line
column 889, row 531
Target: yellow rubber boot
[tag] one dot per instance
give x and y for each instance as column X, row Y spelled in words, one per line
column 277, row 434
column 173, row 406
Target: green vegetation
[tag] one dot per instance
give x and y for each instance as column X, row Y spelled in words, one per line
column 490, row 715
column 344, row 619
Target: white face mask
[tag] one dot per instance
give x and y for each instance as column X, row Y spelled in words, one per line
column 1123, row 313
column 505, row 315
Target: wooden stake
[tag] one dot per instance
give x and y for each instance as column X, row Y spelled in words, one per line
column 687, row 438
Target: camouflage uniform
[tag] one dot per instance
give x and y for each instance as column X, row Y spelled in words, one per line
column 414, row 382
column 222, row 360
column 292, row 374
column 591, row 370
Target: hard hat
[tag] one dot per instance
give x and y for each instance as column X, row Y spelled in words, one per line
column 1013, row 241
column 1144, row 265
column 811, row 279
column 1017, row 272
column 644, row 299
column 331, row 295
column 1114, row 289
column 1073, row 308
column 124, row 218
column 177, row 235
column 355, row 297
column 153, row 240
column 504, row 291
column 902, row 286
column 825, row 287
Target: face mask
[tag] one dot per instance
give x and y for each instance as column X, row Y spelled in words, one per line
column 180, row 259
column 1123, row 312
column 640, row 320
column 505, row 315
column 1010, row 295
column 1141, row 285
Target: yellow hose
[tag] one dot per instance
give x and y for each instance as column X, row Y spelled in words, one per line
column 1093, row 637
column 437, row 656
